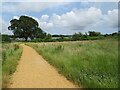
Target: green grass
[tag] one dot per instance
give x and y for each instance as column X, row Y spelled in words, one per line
column 10, row 55
column 0, row 66
column 93, row 64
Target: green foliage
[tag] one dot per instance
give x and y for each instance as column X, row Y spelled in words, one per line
column 6, row 38
column 80, row 36
column 39, row 34
column 93, row 33
column 96, row 38
column 61, row 37
column 25, row 27
column 10, row 55
column 84, row 37
column 48, row 37
column 37, row 40
column 76, row 36
column 92, row 64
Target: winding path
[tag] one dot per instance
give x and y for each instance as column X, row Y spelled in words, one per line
column 34, row 72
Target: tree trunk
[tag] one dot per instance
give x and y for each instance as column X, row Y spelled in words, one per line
column 26, row 38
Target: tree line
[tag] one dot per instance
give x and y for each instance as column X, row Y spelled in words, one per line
column 74, row 37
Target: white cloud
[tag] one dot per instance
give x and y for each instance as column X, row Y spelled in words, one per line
column 78, row 19
column 81, row 19
column 29, row 6
column 44, row 17
column 45, row 25
column 15, row 17
column 111, row 19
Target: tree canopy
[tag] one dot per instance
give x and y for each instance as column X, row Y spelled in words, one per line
column 93, row 33
column 26, row 27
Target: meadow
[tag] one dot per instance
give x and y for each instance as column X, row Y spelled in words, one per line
column 10, row 55
column 90, row 64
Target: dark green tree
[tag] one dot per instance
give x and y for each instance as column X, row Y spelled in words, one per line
column 39, row 34
column 76, row 36
column 93, row 33
column 115, row 34
column 62, row 37
column 25, row 27
column 48, row 37
column 6, row 38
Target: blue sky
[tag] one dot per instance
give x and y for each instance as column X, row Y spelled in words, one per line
column 64, row 17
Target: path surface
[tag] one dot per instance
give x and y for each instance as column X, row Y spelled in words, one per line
column 34, row 72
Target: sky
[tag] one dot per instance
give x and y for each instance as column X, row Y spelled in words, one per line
column 64, row 17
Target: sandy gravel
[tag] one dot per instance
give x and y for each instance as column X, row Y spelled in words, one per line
column 34, row 72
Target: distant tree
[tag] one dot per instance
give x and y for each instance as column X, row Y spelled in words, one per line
column 48, row 37
column 6, row 38
column 25, row 27
column 114, row 34
column 61, row 36
column 80, row 34
column 85, row 37
column 76, row 36
column 55, row 35
column 93, row 33
column 106, row 35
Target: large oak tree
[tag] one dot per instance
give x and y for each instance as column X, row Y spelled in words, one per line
column 26, row 27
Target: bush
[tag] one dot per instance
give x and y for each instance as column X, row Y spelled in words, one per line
column 96, row 38
column 6, row 38
column 37, row 40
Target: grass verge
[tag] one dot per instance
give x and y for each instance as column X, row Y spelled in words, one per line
column 11, row 53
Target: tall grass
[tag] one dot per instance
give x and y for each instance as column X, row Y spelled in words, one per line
column 0, row 66
column 10, row 55
column 93, row 64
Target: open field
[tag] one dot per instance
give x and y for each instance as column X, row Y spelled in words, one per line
column 92, row 64
column 10, row 55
